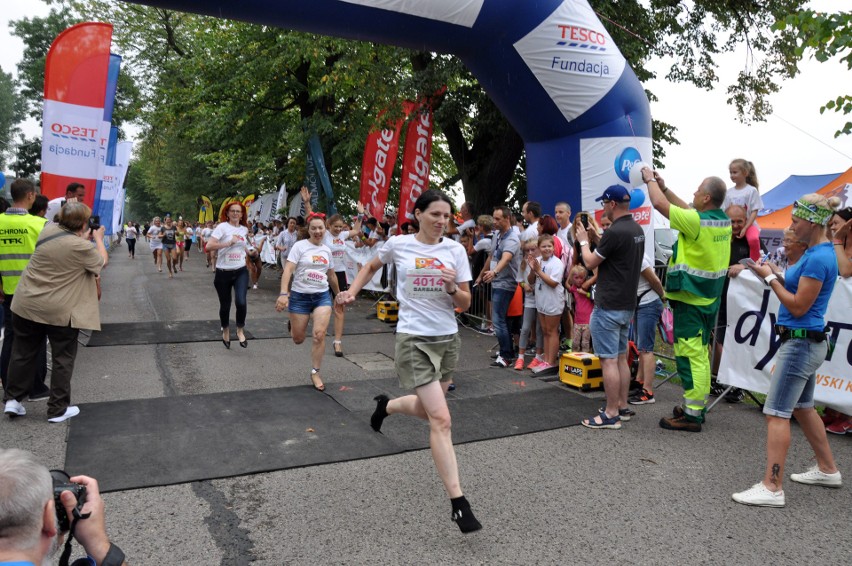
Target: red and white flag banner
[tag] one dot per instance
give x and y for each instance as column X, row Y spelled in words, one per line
column 380, row 154
column 416, row 162
column 75, row 79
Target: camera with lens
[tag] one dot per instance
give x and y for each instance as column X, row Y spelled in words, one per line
column 62, row 482
column 94, row 222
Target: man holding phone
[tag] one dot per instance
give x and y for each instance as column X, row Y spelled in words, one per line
column 694, row 282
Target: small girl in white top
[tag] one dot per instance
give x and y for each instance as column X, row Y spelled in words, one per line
column 745, row 194
column 546, row 274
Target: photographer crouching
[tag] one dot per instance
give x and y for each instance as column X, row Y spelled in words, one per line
column 39, row 508
column 56, row 297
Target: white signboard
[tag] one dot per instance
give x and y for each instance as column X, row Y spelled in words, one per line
column 748, row 356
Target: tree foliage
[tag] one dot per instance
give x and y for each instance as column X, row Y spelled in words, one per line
column 11, row 113
column 826, row 36
column 226, row 107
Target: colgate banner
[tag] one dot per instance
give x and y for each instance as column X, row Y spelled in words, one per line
column 377, row 169
column 75, row 84
column 416, row 163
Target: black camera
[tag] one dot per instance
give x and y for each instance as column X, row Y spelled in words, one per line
column 94, row 222
column 62, row 482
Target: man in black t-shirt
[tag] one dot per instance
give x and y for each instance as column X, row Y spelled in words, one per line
column 618, row 258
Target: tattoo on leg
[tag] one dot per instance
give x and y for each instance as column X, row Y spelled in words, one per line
column 776, row 470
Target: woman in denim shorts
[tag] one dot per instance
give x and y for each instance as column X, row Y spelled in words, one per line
column 804, row 292
column 433, row 278
column 312, row 272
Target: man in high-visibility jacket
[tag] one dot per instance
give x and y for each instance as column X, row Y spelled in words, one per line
column 694, row 282
column 19, row 231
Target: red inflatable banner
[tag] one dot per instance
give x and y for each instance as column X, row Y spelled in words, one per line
column 75, row 80
column 416, row 162
column 377, row 168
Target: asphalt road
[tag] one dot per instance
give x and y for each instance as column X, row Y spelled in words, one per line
column 639, row 495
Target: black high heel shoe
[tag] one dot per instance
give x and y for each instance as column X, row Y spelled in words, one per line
column 243, row 342
column 227, row 343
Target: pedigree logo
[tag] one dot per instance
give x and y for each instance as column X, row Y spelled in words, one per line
column 577, row 36
column 71, row 131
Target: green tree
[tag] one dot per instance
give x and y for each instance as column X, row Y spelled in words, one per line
column 826, row 36
column 11, row 114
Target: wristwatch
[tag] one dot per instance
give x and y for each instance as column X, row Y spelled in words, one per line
column 456, row 290
column 769, row 279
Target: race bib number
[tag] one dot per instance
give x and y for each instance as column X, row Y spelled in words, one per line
column 315, row 278
column 424, row 284
column 338, row 254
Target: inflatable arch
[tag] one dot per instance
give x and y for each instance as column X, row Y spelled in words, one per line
column 550, row 66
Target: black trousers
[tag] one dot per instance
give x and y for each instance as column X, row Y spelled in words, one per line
column 37, row 385
column 23, row 365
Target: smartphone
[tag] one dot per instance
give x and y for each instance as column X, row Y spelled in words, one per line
column 584, row 220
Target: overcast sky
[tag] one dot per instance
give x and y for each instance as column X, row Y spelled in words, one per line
column 796, row 140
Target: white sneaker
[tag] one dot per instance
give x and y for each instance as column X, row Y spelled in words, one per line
column 254, row 286
column 761, row 496
column 815, row 477
column 71, row 411
column 14, row 409
column 542, row 367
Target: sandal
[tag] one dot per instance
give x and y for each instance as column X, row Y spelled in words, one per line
column 601, row 420
column 338, row 348
column 321, row 386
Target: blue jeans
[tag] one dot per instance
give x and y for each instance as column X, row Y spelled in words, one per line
column 500, row 300
column 645, row 324
column 794, row 378
column 609, row 332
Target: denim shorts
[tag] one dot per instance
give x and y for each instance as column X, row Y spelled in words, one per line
column 305, row 303
column 794, row 378
column 609, row 332
column 647, row 316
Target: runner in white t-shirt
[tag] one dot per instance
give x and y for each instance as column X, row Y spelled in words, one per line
column 335, row 238
column 230, row 239
column 206, row 233
column 312, row 273
column 433, row 278
column 155, row 243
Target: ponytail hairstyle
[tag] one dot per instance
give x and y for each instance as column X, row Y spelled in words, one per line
column 750, row 172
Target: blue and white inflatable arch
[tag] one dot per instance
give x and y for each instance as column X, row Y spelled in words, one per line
column 549, row 65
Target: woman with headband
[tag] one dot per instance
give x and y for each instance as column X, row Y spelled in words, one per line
column 804, row 296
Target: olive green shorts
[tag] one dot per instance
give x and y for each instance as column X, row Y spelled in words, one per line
column 420, row 360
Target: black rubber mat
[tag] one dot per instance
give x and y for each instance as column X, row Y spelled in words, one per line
column 182, row 331
column 162, row 441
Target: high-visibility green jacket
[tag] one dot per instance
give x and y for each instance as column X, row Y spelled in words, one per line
column 699, row 262
column 18, row 235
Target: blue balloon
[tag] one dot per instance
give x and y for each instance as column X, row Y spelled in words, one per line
column 637, row 198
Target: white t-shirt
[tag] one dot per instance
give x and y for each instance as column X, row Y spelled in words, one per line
column 156, row 243
column 206, row 233
column 337, row 245
column 748, row 197
column 233, row 257
column 312, row 265
column 425, row 309
column 651, row 295
column 550, row 300
column 187, row 235
column 564, row 234
column 530, row 233
column 130, row 233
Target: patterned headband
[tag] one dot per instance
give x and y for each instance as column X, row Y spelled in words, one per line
column 811, row 212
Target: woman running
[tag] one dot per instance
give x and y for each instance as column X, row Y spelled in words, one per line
column 335, row 239
column 180, row 243
column 155, row 243
column 168, row 236
column 130, row 235
column 433, row 278
column 309, row 266
column 230, row 238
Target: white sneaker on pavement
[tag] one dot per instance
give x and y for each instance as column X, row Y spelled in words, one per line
column 815, row 477
column 14, row 409
column 760, row 496
column 71, row 411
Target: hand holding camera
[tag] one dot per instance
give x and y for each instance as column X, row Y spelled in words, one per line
column 80, row 496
